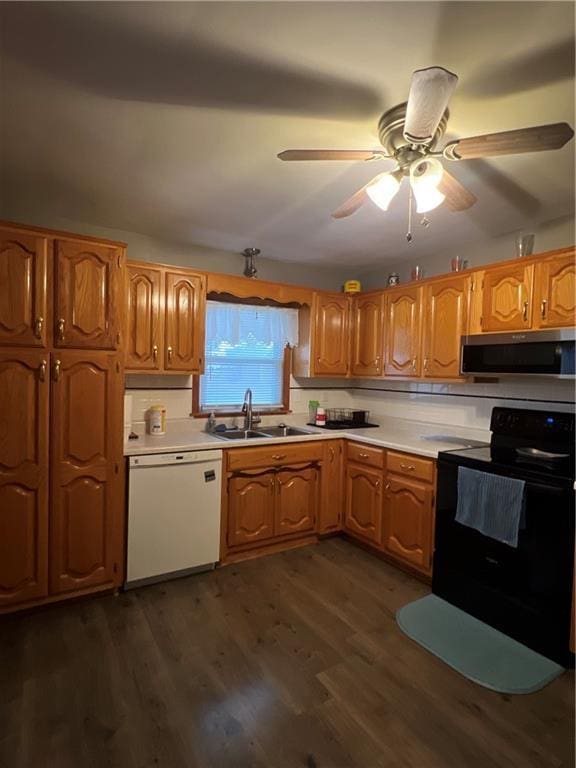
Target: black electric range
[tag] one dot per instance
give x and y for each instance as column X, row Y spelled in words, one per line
column 525, row 591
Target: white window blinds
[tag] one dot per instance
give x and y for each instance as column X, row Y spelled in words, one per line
column 245, row 348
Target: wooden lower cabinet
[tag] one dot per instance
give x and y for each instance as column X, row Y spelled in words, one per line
column 408, row 521
column 86, row 458
column 296, row 504
column 363, row 510
column 332, row 494
column 250, row 508
column 24, row 391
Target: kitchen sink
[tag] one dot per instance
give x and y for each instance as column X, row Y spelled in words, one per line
column 239, row 434
column 285, row 431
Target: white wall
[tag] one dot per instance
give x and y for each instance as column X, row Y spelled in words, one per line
column 558, row 233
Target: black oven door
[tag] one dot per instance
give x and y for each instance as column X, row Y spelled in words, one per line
column 524, row 592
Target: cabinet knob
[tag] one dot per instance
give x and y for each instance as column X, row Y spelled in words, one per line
column 426, row 364
column 413, row 363
column 363, row 455
column 169, row 351
column 543, row 309
column 42, row 371
column 387, row 487
column 278, row 456
column 56, row 370
column 38, row 325
column 525, row 310
column 155, row 352
column 409, row 467
column 60, row 325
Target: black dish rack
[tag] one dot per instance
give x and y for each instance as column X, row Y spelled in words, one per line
column 345, row 418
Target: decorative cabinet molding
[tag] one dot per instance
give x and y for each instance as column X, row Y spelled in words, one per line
column 408, row 521
column 332, row 494
column 184, row 321
column 367, row 334
column 403, row 333
column 331, row 334
column 445, row 314
column 145, row 318
column 507, row 298
column 363, row 505
column 555, row 292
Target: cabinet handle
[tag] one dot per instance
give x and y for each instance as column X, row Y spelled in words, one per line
column 38, row 325
column 387, row 487
column 426, row 365
column 60, row 329
column 332, row 454
column 409, row 467
column 414, row 364
column 155, row 352
column 543, row 309
column 278, row 456
column 525, row 311
column 377, row 484
column 42, row 371
column 169, row 351
column 56, row 371
column 364, row 455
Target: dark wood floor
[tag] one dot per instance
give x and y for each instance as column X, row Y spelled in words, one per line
column 290, row 660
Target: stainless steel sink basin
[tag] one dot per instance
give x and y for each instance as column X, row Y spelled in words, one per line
column 239, row 434
column 285, row 431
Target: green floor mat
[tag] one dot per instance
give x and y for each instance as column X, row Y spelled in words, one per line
column 476, row 650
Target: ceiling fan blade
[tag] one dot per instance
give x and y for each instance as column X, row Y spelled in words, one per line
column 356, row 201
column 536, row 139
column 458, row 198
column 430, row 92
column 331, row 154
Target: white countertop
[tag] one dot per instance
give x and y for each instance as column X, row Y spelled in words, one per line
column 397, row 434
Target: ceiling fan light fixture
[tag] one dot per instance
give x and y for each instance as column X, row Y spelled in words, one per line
column 384, row 189
column 425, row 176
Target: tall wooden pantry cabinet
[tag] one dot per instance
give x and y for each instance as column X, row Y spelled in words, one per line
column 61, row 385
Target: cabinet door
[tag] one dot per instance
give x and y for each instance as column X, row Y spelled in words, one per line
column 445, row 313
column 363, row 515
column 184, row 339
column 23, row 476
column 23, row 288
column 402, row 334
column 507, row 298
column 332, row 492
column 250, row 508
column 331, row 339
column 367, row 321
column 555, row 295
column 144, row 348
column 408, row 521
column 88, row 286
column 296, row 504
column 86, row 458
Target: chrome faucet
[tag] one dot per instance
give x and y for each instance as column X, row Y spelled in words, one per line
column 249, row 418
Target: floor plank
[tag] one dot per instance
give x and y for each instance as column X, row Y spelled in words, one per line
column 290, row 660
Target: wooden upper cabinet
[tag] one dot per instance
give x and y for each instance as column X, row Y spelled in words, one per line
column 250, row 508
column 145, row 318
column 363, row 514
column 402, row 331
column 331, row 334
column 555, row 292
column 445, row 321
column 88, row 287
column 367, row 334
column 86, row 456
column 408, row 521
column 296, row 504
column 184, row 321
column 24, row 392
column 507, row 298
column 23, row 288
column 332, row 487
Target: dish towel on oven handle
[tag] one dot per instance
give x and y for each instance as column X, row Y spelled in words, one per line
column 491, row 504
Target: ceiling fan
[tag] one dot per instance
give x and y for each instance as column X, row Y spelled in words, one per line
column 409, row 134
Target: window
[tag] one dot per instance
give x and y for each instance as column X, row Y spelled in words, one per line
column 245, row 347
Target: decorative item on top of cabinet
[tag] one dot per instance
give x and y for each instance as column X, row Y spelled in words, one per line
column 402, row 331
column 367, row 329
column 86, row 456
column 145, row 317
column 507, row 298
column 445, row 312
column 23, row 288
column 555, row 291
column 24, row 394
column 332, row 496
column 184, row 324
column 88, row 285
column 331, row 313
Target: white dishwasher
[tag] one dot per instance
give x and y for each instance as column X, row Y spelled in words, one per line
column 173, row 515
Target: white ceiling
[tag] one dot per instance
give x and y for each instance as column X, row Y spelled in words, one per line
column 166, row 119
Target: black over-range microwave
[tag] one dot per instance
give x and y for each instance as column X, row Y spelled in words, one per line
column 533, row 353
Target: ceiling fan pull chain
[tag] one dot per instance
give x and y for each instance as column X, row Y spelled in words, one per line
column 409, row 233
